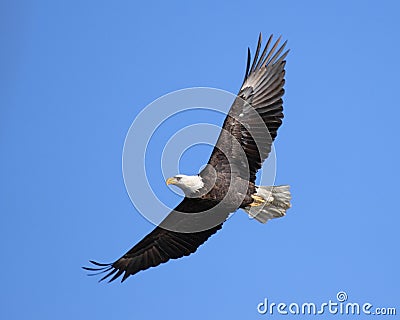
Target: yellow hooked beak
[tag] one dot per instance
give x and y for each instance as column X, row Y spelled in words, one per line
column 170, row 181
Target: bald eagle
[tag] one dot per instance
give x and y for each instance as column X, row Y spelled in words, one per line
column 227, row 182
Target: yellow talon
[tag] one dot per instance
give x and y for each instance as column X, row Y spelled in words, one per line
column 258, row 201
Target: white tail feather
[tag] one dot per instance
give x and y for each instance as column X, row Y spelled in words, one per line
column 277, row 201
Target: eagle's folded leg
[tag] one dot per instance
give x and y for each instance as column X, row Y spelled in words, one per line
column 275, row 202
column 258, row 201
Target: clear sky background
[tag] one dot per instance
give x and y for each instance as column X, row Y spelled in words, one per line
column 75, row 74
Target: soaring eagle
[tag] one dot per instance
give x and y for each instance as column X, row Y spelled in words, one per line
column 227, row 182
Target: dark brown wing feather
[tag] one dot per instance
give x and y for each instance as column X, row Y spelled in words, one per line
column 255, row 115
column 159, row 246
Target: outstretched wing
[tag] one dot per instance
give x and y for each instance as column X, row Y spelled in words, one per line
column 160, row 245
column 255, row 116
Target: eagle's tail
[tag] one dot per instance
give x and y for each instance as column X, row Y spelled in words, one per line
column 270, row 202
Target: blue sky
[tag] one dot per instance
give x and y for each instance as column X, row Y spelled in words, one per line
column 75, row 74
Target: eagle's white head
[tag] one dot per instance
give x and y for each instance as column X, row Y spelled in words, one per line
column 190, row 185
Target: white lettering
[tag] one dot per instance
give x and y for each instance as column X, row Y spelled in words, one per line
column 281, row 308
column 260, row 306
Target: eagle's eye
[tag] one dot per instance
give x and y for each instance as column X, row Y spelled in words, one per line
column 178, row 178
